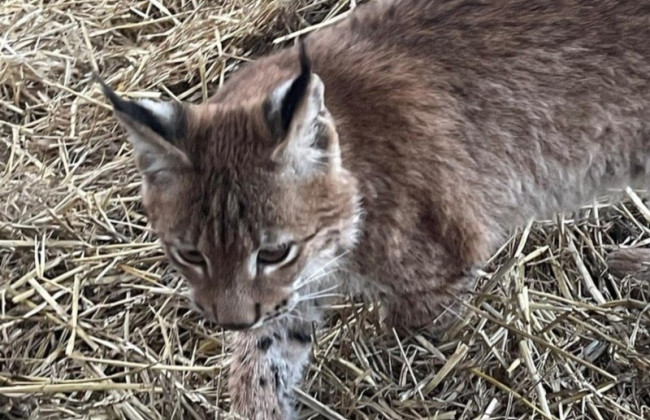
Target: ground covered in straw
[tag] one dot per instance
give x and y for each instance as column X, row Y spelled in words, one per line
column 93, row 322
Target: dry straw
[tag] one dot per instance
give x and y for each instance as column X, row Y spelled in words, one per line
column 94, row 324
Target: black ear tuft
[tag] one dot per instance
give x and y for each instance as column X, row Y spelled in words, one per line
column 136, row 111
column 297, row 90
column 305, row 64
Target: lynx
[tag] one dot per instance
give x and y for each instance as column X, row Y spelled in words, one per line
column 390, row 153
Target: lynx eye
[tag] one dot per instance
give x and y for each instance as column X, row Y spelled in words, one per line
column 275, row 255
column 188, row 256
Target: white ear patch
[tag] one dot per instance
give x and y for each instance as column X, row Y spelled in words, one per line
column 162, row 109
column 277, row 96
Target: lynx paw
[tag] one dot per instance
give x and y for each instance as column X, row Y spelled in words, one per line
column 266, row 366
column 432, row 314
column 259, row 391
column 633, row 262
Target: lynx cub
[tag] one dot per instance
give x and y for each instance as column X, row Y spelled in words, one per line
column 392, row 152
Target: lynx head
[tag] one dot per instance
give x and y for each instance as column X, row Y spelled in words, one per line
column 247, row 194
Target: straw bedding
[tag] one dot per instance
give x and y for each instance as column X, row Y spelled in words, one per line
column 94, row 323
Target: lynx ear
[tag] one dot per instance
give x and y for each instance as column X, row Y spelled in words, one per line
column 297, row 116
column 152, row 127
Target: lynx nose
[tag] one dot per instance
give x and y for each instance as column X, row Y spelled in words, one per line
column 232, row 315
column 238, row 326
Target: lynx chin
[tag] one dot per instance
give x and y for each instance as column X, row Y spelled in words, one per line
column 392, row 153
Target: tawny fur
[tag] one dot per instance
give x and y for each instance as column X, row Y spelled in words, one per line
column 445, row 124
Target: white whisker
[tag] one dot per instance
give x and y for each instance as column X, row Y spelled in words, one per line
column 320, row 273
column 299, row 315
column 313, row 278
column 306, row 298
column 329, row 289
column 320, row 294
column 296, row 316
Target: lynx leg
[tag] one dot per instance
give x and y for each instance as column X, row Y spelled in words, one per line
column 431, row 309
column 630, row 262
column 267, row 363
